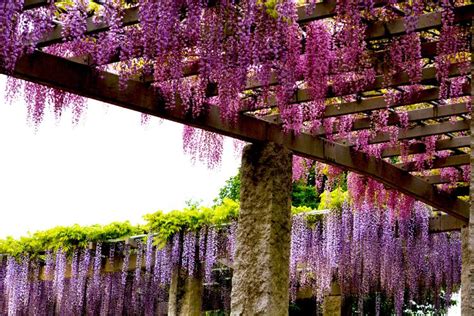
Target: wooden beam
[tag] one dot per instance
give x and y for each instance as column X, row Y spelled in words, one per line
column 322, row 10
column 31, row 4
column 372, row 103
column 80, row 79
column 428, row 50
column 425, row 130
column 445, row 223
column 450, row 161
column 442, row 144
column 426, row 21
column 431, row 113
column 460, row 191
column 437, row 179
column 428, row 78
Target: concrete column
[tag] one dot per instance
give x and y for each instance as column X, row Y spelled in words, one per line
column 466, row 308
column 175, row 293
column 332, row 304
column 467, row 277
column 192, row 299
column 260, row 282
column 185, row 295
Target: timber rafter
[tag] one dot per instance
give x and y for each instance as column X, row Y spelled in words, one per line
column 80, row 79
column 450, row 122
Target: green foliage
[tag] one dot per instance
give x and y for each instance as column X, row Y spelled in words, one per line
column 333, row 199
column 192, row 219
column 303, row 194
column 64, row 5
column 230, row 190
column 270, row 7
column 66, row 238
column 165, row 225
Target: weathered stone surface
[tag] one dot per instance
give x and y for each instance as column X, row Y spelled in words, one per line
column 332, row 304
column 185, row 295
column 260, row 279
column 175, row 293
column 465, row 274
column 467, row 277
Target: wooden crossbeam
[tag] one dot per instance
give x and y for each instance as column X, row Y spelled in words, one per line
column 80, row 79
column 431, row 113
column 428, row 78
column 425, row 130
column 443, row 144
column 322, row 10
column 460, row 191
column 31, row 4
column 426, row 21
column 445, row 223
column 437, row 179
column 428, row 50
column 450, row 161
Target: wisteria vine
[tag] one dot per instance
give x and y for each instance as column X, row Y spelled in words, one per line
column 366, row 249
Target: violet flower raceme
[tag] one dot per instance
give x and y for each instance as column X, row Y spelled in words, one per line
column 203, row 146
column 319, row 56
column 367, row 248
column 211, row 253
column 137, row 290
column 9, row 34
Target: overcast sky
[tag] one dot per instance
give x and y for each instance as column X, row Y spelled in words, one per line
column 109, row 168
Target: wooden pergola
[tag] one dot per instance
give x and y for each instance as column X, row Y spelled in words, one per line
column 78, row 75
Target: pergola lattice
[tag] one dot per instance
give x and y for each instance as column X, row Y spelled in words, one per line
column 77, row 75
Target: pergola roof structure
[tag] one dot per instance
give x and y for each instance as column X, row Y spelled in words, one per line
column 77, row 75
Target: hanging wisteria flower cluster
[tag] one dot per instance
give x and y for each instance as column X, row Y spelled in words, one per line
column 374, row 250
column 215, row 52
column 90, row 282
column 365, row 249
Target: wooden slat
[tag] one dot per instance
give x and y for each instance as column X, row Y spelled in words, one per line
column 393, row 119
column 428, row 50
column 451, row 161
column 82, row 80
column 374, row 103
column 426, row 21
column 460, row 191
column 425, row 130
column 443, row 144
column 445, row 223
column 437, row 179
column 130, row 17
column 374, row 30
column 429, row 78
column 31, row 4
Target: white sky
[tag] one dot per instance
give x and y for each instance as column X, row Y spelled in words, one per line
column 109, row 168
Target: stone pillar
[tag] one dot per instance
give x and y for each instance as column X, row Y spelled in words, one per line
column 332, row 304
column 185, row 295
column 467, row 277
column 465, row 273
column 192, row 299
column 260, row 282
